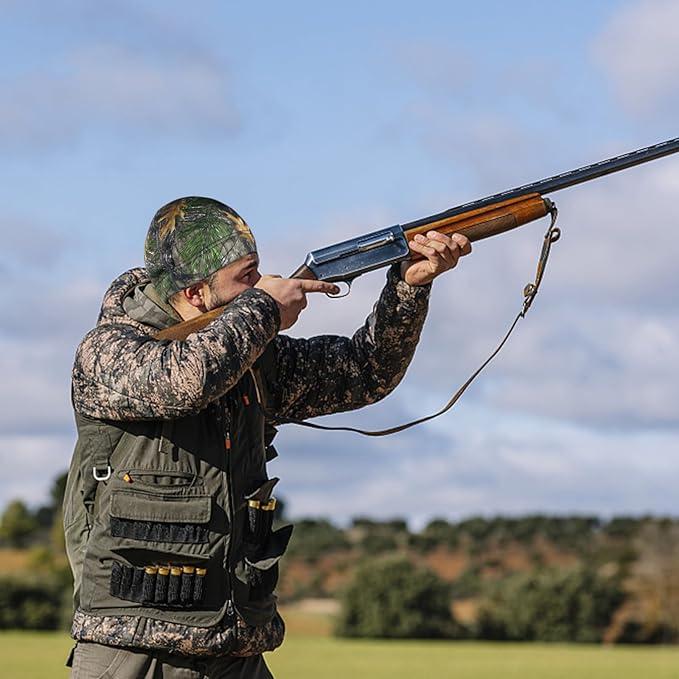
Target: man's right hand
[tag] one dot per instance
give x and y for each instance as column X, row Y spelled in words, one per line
column 290, row 295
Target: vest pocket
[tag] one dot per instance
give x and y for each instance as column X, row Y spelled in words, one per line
column 261, row 570
column 159, row 517
column 159, row 586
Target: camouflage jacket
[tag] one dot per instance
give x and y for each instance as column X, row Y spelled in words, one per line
column 172, row 546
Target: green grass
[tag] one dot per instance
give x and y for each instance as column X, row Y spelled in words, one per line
column 35, row 655
column 332, row 659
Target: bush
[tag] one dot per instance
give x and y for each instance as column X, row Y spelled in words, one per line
column 467, row 584
column 394, row 599
column 575, row 605
column 33, row 604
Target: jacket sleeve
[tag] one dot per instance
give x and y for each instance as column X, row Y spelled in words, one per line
column 122, row 373
column 306, row 378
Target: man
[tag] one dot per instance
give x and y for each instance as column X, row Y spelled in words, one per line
column 168, row 508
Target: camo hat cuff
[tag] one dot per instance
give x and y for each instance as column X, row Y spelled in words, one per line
column 191, row 238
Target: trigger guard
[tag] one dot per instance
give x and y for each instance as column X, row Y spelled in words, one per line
column 340, row 294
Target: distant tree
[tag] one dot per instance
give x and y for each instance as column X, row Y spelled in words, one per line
column 625, row 527
column 376, row 536
column 467, row 584
column 58, row 490
column 477, row 528
column 17, row 524
column 394, row 599
column 396, row 525
column 655, row 579
column 313, row 538
column 552, row 605
column 51, row 512
column 378, row 543
column 437, row 533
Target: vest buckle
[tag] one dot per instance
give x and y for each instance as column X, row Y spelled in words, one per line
column 105, row 476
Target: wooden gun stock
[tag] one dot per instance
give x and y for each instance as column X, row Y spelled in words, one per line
column 490, row 220
column 182, row 330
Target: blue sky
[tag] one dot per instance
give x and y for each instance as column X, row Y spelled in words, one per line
column 318, row 122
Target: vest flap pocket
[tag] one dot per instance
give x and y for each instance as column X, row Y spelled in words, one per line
column 261, row 571
column 137, row 506
column 273, row 550
column 154, row 517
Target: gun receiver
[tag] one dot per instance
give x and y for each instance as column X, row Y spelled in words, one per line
column 347, row 260
column 489, row 216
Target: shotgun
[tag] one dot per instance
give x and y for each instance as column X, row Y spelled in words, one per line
column 478, row 219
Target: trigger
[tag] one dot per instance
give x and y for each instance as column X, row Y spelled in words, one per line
column 343, row 292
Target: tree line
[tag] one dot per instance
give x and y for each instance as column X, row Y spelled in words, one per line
column 531, row 578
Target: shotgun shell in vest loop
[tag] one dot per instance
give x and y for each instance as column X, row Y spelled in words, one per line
column 186, row 591
column 160, row 596
column 149, row 583
column 270, row 505
column 199, row 585
column 254, row 504
column 174, row 586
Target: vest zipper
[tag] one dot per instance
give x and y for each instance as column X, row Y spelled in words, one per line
column 226, row 434
column 232, row 520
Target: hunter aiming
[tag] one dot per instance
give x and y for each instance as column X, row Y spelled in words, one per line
column 168, row 509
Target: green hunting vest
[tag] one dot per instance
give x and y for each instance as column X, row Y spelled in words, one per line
column 172, row 519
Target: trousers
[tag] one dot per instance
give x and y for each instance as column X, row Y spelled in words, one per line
column 96, row 661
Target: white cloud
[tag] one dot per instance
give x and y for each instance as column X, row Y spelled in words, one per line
column 639, row 52
column 111, row 88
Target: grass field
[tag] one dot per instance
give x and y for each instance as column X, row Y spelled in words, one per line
column 34, row 655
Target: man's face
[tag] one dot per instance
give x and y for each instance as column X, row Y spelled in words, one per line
column 228, row 282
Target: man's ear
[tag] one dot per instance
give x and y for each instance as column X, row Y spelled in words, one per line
column 195, row 295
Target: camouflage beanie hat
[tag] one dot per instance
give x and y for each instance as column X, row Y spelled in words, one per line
column 191, row 238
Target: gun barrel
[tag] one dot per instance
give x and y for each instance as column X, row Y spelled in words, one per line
column 560, row 181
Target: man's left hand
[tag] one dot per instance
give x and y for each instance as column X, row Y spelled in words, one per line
column 440, row 253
